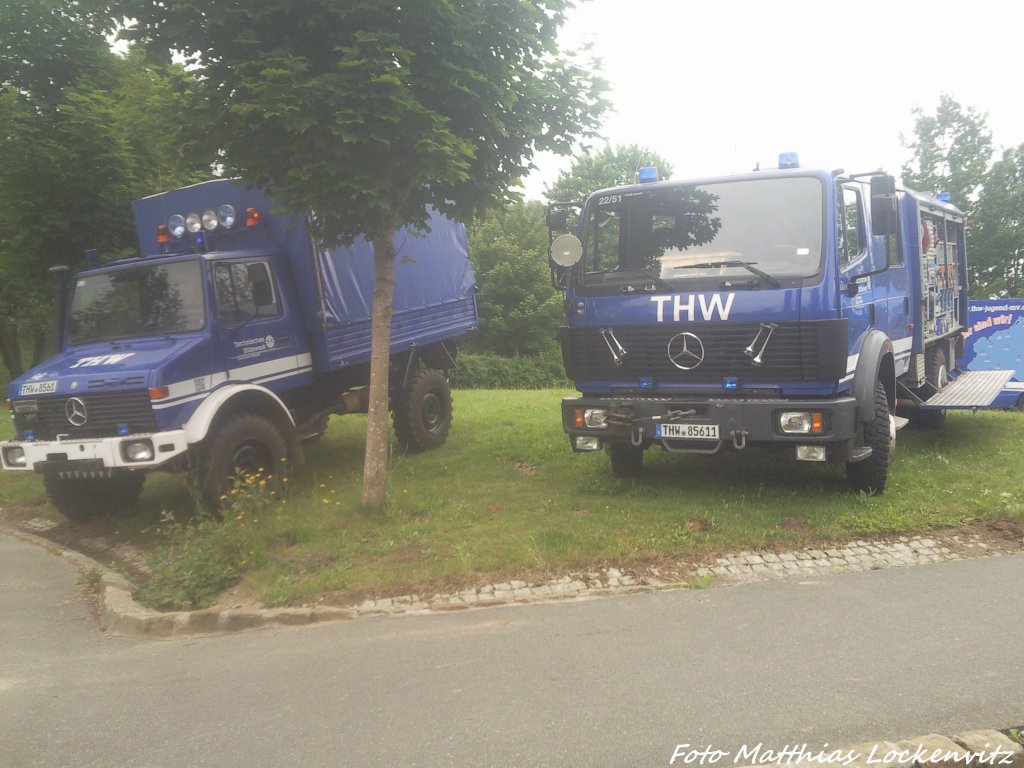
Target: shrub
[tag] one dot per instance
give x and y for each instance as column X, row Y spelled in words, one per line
column 495, row 372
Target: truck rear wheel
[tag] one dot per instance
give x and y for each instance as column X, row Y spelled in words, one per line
column 872, row 474
column 936, row 373
column 423, row 411
column 627, row 459
column 244, row 446
column 83, row 499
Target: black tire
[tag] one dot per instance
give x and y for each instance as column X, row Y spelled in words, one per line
column 83, row 499
column 423, row 411
column 244, row 445
column 936, row 374
column 627, row 459
column 872, row 474
column 936, row 368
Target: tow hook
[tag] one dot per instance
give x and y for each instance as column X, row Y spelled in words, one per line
column 636, row 436
column 739, row 439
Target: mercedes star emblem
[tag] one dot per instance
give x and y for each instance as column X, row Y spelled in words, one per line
column 685, row 351
column 75, row 410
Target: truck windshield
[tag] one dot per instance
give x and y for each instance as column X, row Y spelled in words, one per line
column 750, row 232
column 140, row 300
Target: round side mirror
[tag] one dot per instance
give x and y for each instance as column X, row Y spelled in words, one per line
column 566, row 250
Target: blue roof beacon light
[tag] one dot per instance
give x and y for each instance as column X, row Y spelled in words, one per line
column 944, row 197
column 789, row 160
column 648, row 174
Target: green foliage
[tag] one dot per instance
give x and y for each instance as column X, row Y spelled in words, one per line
column 83, row 131
column 519, row 310
column 367, row 111
column 610, row 167
column 201, row 558
column 997, row 230
column 496, row 372
column 951, row 152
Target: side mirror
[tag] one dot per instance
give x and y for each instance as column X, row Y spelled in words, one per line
column 884, row 216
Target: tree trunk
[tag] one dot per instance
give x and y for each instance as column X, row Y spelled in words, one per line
column 375, row 466
column 10, row 350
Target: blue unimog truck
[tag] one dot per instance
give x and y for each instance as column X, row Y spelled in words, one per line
column 811, row 311
column 226, row 345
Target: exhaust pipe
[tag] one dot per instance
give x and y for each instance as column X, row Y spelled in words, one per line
column 59, row 275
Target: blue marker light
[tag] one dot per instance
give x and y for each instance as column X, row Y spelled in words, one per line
column 122, row 430
column 731, row 382
column 789, row 160
column 944, row 197
column 647, row 383
column 30, row 435
column 648, row 174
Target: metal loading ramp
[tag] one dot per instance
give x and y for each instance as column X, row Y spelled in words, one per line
column 972, row 389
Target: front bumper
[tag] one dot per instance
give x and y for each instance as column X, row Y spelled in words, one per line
column 739, row 421
column 91, row 456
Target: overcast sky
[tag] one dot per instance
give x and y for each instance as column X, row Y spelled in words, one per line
column 716, row 86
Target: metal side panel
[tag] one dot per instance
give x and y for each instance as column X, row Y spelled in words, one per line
column 973, row 389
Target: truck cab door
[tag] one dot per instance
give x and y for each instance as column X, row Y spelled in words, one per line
column 259, row 343
column 864, row 296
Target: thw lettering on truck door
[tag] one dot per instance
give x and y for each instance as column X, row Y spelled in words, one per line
column 689, row 308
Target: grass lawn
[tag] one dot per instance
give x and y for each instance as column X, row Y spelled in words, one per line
column 506, row 496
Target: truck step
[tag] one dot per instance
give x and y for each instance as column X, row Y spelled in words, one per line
column 972, row 389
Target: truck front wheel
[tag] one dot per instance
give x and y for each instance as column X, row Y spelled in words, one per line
column 246, row 445
column 627, row 459
column 872, row 474
column 423, row 411
column 83, row 498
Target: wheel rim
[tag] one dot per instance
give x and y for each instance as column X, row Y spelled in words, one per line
column 942, row 377
column 249, row 459
column 432, row 412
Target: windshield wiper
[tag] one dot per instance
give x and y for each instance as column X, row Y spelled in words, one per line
column 747, row 265
column 648, row 281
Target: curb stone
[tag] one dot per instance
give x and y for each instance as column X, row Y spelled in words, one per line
column 120, row 614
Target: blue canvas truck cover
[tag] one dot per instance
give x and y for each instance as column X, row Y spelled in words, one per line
column 434, row 294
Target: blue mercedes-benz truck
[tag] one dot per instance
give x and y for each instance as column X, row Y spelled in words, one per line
column 810, row 311
column 226, row 345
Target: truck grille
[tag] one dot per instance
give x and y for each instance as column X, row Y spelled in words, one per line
column 104, row 413
column 808, row 351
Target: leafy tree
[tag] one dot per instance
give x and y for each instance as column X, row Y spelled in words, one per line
column 951, row 152
column 611, row 167
column 997, row 230
column 83, row 131
column 367, row 111
column 519, row 310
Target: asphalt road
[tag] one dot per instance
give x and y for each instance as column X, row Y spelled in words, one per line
column 618, row 681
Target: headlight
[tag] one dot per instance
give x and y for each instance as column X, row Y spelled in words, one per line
column 137, row 450
column 226, row 216
column 193, row 223
column 14, row 457
column 176, row 225
column 593, row 418
column 802, row 422
column 209, row 220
